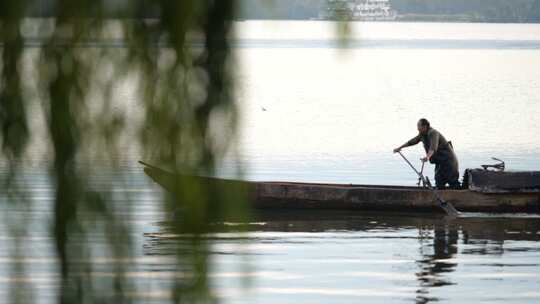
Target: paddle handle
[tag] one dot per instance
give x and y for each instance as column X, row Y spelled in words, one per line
column 408, row 162
column 447, row 207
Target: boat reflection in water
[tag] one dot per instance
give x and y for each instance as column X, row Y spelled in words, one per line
column 379, row 257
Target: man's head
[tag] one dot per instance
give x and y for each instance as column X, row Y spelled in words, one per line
column 423, row 125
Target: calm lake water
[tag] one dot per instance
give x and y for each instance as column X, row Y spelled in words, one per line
column 326, row 114
column 312, row 109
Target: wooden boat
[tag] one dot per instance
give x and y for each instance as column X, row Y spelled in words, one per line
column 504, row 197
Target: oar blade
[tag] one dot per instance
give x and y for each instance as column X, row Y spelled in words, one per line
column 448, row 208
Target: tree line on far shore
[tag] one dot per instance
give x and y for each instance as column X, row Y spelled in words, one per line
column 410, row 10
column 470, row 10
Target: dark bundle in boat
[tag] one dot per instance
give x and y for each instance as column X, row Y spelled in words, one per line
column 502, row 182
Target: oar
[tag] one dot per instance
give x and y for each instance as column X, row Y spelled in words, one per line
column 447, row 207
column 420, row 181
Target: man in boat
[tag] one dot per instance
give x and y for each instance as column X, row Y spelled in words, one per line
column 439, row 151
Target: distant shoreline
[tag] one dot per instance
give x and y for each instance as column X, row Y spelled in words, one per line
column 405, row 19
column 465, row 18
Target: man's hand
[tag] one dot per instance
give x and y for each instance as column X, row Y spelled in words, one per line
column 428, row 156
column 396, row 150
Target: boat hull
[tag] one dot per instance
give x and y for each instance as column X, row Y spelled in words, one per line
column 286, row 195
column 387, row 198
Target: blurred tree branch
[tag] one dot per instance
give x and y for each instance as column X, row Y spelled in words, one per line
column 188, row 124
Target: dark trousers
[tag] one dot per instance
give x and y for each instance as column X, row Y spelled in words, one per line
column 446, row 172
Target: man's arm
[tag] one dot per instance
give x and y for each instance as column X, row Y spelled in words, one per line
column 409, row 143
column 433, row 146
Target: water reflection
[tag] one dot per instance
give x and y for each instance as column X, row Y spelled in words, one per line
column 370, row 256
column 444, row 244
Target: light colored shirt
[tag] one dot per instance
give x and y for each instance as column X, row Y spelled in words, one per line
column 432, row 140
